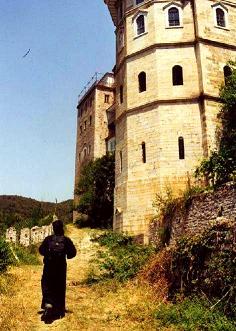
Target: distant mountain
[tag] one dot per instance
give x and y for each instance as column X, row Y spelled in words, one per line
column 17, row 209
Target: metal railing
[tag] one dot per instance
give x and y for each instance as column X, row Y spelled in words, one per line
column 95, row 78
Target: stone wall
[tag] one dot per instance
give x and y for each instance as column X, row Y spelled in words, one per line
column 26, row 236
column 201, row 211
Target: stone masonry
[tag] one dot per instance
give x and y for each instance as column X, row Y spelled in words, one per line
column 27, row 236
column 201, row 211
column 92, row 124
column 200, row 41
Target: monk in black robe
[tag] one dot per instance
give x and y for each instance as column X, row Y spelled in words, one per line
column 55, row 249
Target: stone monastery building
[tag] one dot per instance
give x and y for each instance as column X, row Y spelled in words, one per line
column 171, row 59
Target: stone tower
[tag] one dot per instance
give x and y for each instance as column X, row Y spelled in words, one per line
column 170, row 63
column 92, row 122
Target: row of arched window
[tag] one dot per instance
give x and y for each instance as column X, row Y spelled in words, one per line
column 174, row 18
column 177, row 78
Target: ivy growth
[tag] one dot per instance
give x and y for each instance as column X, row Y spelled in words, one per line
column 220, row 167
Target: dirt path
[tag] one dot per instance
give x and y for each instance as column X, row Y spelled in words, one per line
column 89, row 308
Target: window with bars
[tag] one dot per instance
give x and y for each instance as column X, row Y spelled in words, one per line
column 173, row 16
column 106, row 98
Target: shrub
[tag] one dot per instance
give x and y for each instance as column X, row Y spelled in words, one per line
column 121, row 259
column 220, row 166
column 96, row 191
column 207, row 264
column 27, row 255
column 6, row 257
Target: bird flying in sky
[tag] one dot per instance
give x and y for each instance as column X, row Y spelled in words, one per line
column 26, row 53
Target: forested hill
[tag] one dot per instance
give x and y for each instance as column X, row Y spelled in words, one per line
column 16, row 209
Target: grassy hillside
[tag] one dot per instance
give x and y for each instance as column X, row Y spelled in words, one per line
column 21, row 211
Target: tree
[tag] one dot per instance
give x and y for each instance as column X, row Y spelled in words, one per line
column 220, row 167
column 96, row 191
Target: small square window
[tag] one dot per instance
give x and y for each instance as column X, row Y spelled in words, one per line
column 138, row 1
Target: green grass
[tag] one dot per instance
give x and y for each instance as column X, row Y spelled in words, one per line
column 193, row 315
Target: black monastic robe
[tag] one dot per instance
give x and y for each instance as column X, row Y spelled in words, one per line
column 54, row 275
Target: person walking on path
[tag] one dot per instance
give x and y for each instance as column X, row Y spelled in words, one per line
column 55, row 249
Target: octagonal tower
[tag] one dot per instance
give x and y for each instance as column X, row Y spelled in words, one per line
column 170, row 63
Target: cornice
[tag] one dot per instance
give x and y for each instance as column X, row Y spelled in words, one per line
column 156, row 103
column 190, row 43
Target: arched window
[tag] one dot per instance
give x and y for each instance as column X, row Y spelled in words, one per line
column 144, row 152
column 173, row 16
column 140, row 22
column 142, row 81
column 177, row 75
column 227, row 73
column 181, row 148
column 220, row 17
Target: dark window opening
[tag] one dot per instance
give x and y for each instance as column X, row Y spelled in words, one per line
column 140, row 24
column 106, row 99
column 144, row 152
column 173, row 16
column 220, row 17
column 85, row 125
column 81, row 129
column 181, row 148
column 120, row 10
column 177, row 75
column 121, row 162
column 227, row 73
column 121, row 94
column 142, row 81
column 90, row 120
column 139, row 1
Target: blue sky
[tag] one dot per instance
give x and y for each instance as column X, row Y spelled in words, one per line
column 69, row 41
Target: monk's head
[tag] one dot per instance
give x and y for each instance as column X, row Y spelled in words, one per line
column 58, row 227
